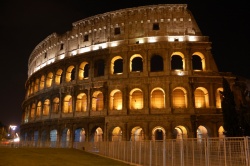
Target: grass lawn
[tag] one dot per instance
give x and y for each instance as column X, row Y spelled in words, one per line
column 53, row 157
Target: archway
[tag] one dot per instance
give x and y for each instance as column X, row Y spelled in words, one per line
column 180, row 132
column 158, row 133
column 137, row 134
column 201, row 133
column 53, row 138
column 36, row 137
column 43, row 138
column 96, row 134
column 65, row 137
column 221, row 132
column 117, row 134
column 79, row 135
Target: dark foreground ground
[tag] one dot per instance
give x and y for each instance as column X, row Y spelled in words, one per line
column 53, row 157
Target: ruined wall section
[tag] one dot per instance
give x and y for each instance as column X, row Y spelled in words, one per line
column 131, row 24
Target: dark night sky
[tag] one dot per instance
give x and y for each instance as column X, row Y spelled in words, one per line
column 25, row 23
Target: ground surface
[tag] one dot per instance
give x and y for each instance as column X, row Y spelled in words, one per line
column 53, row 157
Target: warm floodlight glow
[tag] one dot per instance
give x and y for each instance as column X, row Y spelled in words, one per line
column 85, row 49
column 51, row 61
column 199, row 103
column 102, row 46
column 152, row 39
column 62, row 56
column 74, row 52
column 175, row 38
column 119, row 107
column 96, row 47
column 171, row 39
column 42, row 65
column 180, row 73
column 192, row 38
column 37, row 68
column 114, row 44
column 137, row 105
column 140, row 41
column 181, row 38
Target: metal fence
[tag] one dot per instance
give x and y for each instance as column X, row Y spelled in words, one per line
column 185, row 152
column 233, row 151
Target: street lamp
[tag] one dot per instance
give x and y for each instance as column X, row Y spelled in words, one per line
column 12, row 129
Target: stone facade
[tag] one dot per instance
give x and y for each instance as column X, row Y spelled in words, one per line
column 143, row 73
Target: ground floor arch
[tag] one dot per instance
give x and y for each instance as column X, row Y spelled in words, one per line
column 79, row 135
column 158, row 133
column 221, row 132
column 96, row 134
column 137, row 134
column 117, row 134
column 201, row 133
column 53, row 138
column 129, row 128
column 65, row 138
column 180, row 132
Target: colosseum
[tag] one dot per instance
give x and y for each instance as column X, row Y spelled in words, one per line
column 142, row 73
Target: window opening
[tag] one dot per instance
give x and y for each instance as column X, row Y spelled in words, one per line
column 86, row 38
column 61, row 47
column 199, row 99
column 56, row 105
column 38, row 109
column 117, row 31
column 176, row 62
column 137, row 64
column 178, row 99
column 136, row 100
column 156, row 63
column 99, row 68
column 73, row 74
column 46, row 107
column 158, row 134
column 197, row 64
column 156, row 26
column 118, row 66
column 157, row 99
column 86, row 71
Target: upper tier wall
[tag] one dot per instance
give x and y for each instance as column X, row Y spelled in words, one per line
column 155, row 23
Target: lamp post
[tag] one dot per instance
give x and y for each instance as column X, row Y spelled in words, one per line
column 12, row 129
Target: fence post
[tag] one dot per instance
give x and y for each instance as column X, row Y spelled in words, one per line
column 207, row 151
column 125, row 149
column 164, row 153
column 172, row 152
column 131, row 152
column 150, row 153
column 181, row 152
column 140, row 153
column 225, row 151
column 193, row 152
column 246, row 150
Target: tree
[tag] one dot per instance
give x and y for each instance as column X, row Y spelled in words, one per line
column 242, row 97
column 230, row 116
column 3, row 132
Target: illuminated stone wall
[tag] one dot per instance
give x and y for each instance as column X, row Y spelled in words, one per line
column 147, row 24
column 143, row 73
